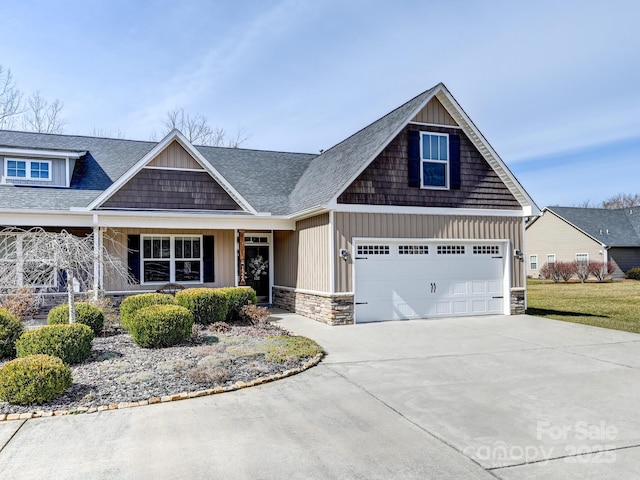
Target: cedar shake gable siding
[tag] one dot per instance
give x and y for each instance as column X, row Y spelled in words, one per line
column 152, row 189
column 385, row 180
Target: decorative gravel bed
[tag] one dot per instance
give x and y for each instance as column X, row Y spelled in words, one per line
column 119, row 371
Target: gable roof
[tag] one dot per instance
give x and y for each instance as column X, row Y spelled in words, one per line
column 276, row 183
column 611, row 228
column 333, row 171
column 173, row 135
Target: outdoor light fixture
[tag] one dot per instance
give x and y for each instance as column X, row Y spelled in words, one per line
column 344, row 254
column 518, row 253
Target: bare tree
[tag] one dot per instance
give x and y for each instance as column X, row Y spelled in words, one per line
column 104, row 133
column 39, row 257
column 198, row 131
column 622, row 200
column 10, row 100
column 42, row 116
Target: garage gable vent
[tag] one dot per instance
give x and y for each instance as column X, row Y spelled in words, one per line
column 373, row 249
column 413, row 249
column 450, row 250
column 486, row 250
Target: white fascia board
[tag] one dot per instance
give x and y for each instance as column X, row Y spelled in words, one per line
column 160, row 146
column 45, row 219
column 31, row 152
column 485, row 149
column 159, row 220
column 472, row 212
column 202, row 222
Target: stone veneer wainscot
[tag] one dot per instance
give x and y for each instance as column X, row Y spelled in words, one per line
column 334, row 309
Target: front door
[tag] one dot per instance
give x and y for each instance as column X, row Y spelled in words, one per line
column 256, row 260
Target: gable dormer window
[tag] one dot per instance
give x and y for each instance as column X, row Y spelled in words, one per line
column 17, row 169
column 434, row 160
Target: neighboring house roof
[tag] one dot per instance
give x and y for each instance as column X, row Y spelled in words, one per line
column 261, row 181
column 611, row 228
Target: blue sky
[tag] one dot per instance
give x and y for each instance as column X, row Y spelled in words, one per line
column 554, row 86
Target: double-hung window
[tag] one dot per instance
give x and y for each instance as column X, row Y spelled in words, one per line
column 16, row 169
column 170, row 258
column 434, row 160
column 582, row 258
column 533, row 262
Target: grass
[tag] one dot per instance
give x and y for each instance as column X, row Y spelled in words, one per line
column 613, row 305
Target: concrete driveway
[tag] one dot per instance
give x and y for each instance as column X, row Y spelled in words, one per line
column 473, row 398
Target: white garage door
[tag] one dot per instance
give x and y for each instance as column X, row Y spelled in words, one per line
column 397, row 280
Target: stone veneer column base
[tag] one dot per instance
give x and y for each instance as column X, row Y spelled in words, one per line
column 334, row 309
column 517, row 301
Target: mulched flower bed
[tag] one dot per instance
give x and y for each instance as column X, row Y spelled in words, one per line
column 120, row 371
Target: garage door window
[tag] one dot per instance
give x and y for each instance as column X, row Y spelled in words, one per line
column 450, row 249
column 373, row 249
column 413, row 250
column 486, row 250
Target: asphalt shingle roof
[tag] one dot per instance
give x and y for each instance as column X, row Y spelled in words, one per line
column 613, row 228
column 276, row 182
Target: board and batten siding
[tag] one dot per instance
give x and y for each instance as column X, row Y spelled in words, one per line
column 175, row 156
column 552, row 235
column 115, row 241
column 381, row 225
column 434, row 113
column 302, row 256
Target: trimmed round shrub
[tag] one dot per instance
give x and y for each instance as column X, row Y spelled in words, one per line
column 238, row 297
column 10, row 330
column 132, row 304
column 159, row 326
column 86, row 314
column 71, row 343
column 34, row 379
column 207, row 305
column 633, row 274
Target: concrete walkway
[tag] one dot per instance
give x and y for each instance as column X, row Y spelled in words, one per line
column 473, row 398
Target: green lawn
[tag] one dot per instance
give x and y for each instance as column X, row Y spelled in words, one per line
column 611, row 305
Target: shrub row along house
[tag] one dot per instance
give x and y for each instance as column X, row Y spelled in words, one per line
column 583, row 235
column 413, row 216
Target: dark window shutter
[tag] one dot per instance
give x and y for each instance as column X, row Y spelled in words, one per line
column 62, row 280
column 414, row 158
column 133, row 256
column 207, row 258
column 454, row 162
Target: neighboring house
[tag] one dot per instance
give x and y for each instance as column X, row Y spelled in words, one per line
column 413, row 216
column 584, row 234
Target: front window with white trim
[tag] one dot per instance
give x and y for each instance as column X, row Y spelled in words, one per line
column 533, row 262
column 171, row 258
column 551, row 258
column 19, row 169
column 434, row 160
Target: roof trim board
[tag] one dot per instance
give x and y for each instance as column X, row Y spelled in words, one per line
column 159, row 147
column 45, row 153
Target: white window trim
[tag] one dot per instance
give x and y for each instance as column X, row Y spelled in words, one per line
column 172, row 258
column 28, row 162
column 585, row 254
column 533, row 259
column 447, row 163
column 553, row 255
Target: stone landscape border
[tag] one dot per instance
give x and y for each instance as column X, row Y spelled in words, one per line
column 167, row 398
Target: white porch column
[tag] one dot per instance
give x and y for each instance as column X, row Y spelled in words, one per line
column 97, row 252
